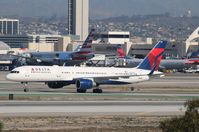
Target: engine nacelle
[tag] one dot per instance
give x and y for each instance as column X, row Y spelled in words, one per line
column 57, row 85
column 84, row 84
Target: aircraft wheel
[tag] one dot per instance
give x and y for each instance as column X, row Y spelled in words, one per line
column 81, row 91
column 97, row 90
column 26, row 90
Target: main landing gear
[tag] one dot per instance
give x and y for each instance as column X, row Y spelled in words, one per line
column 26, row 89
column 97, row 90
column 81, row 90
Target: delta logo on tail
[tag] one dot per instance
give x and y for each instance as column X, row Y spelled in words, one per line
column 152, row 60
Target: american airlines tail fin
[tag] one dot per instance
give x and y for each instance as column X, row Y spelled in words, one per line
column 84, row 52
column 87, row 43
column 152, row 60
column 86, row 46
column 120, row 52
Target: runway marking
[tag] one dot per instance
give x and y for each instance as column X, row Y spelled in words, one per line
column 141, row 107
column 134, row 95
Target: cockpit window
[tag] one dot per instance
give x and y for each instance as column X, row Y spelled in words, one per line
column 14, row 72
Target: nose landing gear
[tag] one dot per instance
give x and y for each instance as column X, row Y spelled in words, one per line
column 26, row 89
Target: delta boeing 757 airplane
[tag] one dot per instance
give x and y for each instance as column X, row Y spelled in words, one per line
column 90, row 77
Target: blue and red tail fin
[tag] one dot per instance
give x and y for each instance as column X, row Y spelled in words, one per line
column 120, row 51
column 152, row 60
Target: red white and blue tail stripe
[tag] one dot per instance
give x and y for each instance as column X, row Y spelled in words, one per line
column 152, row 60
column 84, row 52
column 87, row 43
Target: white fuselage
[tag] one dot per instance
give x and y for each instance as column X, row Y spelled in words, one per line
column 57, row 73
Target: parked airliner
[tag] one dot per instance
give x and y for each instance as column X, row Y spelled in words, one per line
column 166, row 64
column 90, row 77
column 72, row 58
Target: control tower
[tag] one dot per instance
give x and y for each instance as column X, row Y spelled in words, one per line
column 78, row 18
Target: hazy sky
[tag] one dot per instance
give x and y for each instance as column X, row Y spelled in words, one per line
column 98, row 8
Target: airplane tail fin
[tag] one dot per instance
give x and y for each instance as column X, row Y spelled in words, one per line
column 84, row 52
column 120, row 52
column 152, row 60
column 86, row 46
column 87, row 43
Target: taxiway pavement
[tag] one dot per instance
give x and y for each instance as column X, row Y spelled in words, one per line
column 160, row 95
column 90, row 107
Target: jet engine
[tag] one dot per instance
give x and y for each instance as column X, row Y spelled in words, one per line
column 84, row 84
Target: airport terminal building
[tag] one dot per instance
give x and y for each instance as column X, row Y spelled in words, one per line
column 134, row 47
column 9, row 26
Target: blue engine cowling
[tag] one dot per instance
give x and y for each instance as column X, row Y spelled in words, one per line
column 84, row 84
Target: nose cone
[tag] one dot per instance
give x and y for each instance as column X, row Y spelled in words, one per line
column 10, row 77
